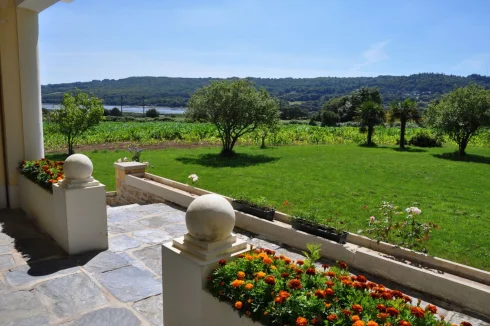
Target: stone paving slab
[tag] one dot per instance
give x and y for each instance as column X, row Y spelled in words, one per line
column 107, row 317
column 72, row 294
column 6, row 261
column 19, row 305
column 106, row 261
column 130, row 284
column 152, row 257
column 27, row 274
column 43, row 320
column 122, row 243
column 152, row 236
column 151, row 309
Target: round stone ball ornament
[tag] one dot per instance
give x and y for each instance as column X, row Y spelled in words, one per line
column 78, row 166
column 210, row 218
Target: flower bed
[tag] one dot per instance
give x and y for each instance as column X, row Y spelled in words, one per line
column 278, row 291
column 43, row 172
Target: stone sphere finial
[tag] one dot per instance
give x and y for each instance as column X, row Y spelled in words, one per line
column 210, row 218
column 78, row 166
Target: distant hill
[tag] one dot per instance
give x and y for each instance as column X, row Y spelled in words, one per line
column 309, row 93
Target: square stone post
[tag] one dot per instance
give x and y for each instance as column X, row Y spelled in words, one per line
column 189, row 260
column 124, row 168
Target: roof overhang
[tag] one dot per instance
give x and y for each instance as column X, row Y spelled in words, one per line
column 37, row 5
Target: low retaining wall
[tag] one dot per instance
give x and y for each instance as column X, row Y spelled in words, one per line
column 472, row 292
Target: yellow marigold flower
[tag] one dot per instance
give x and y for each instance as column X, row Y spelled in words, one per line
column 273, row 267
column 261, row 274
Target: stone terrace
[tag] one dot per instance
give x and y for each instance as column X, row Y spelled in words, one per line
column 40, row 285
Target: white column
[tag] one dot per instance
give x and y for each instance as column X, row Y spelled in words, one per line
column 28, row 32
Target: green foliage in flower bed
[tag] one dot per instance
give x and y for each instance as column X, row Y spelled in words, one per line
column 43, row 172
column 277, row 291
column 155, row 132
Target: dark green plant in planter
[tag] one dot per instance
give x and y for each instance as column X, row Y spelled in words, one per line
column 259, row 207
column 332, row 229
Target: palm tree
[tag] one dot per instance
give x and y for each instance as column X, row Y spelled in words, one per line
column 370, row 114
column 404, row 111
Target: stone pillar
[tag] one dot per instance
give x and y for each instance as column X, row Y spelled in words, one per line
column 81, row 206
column 30, row 83
column 189, row 260
column 124, row 168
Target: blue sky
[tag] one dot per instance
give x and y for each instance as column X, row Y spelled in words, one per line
column 98, row 39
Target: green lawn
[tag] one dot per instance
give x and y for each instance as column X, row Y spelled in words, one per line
column 343, row 179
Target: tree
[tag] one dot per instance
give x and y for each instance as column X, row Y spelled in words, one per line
column 264, row 130
column 115, row 112
column 235, row 108
column 370, row 114
column 76, row 115
column 404, row 111
column 152, row 113
column 329, row 118
column 460, row 114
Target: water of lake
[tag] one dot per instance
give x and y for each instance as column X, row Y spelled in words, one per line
column 134, row 109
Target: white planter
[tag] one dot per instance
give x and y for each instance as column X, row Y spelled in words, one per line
column 75, row 218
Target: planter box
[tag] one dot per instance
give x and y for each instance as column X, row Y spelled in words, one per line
column 75, row 218
column 327, row 233
column 255, row 211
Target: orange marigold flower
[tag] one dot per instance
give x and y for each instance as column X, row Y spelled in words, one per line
column 329, row 292
column 324, row 266
column 300, row 262
column 358, row 323
column 238, row 305
column 431, row 308
column 381, row 307
column 261, row 274
column 383, row 315
column 404, row 323
column 392, row 311
column 287, row 260
column 347, row 312
column 372, row 323
column 320, row 294
column 222, row 262
column 301, row 321
column 329, row 284
column 295, row 284
column 249, row 301
column 417, row 312
column 310, row 271
column 332, row 317
column 271, row 280
column 263, row 255
column 361, row 279
column 237, row 283
column 355, row 318
column 249, row 286
column 357, row 308
column 331, row 274
column 327, row 305
column 285, row 275
column 465, row 323
column 240, row 275
column 314, row 321
column 284, row 294
column 248, row 257
column 342, row 264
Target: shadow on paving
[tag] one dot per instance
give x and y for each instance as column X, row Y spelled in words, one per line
column 469, row 158
column 217, row 161
column 41, row 252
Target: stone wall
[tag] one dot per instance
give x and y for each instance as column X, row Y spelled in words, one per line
column 131, row 195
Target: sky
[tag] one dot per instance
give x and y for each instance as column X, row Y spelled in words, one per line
column 112, row 39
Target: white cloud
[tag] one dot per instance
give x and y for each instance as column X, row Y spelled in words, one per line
column 475, row 64
column 374, row 54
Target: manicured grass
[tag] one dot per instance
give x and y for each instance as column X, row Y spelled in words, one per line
column 344, row 178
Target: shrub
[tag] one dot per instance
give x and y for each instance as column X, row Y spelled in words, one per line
column 152, row 113
column 276, row 291
column 424, row 139
column 116, row 112
column 107, row 112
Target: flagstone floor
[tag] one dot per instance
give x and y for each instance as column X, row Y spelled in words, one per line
column 40, row 285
